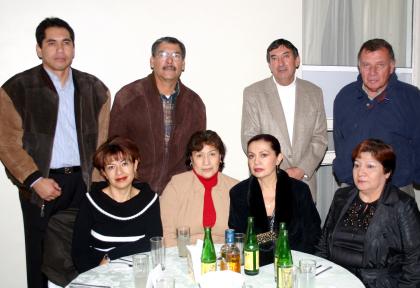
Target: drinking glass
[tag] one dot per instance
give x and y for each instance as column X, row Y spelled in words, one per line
column 239, row 242
column 140, row 270
column 165, row 282
column 183, row 239
column 157, row 250
column 306, row 273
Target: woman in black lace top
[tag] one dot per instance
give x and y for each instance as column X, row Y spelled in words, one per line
column 373, row 229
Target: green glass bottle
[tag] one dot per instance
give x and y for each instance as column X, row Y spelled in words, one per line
column 208, row 254
column 251, row 250
column 283, row 259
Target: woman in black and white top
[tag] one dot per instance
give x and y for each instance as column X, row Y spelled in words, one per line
column 119, row 216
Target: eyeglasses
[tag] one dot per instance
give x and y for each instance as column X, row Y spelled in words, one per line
column 176, row 56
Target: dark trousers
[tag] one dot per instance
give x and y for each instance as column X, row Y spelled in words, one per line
column 73, row 190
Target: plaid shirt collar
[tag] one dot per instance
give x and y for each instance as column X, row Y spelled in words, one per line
column 172, row 98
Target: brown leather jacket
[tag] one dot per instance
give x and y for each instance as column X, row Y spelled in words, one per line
column 137, row 113
column 28, row 116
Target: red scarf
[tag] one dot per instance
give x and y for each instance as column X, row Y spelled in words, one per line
column 209, row 212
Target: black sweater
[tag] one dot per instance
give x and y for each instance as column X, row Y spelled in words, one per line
column 294, row 205
column 104, row 226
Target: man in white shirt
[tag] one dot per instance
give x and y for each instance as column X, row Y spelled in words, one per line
column 290, row 109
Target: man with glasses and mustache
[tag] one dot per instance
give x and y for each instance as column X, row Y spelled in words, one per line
column 159, row 113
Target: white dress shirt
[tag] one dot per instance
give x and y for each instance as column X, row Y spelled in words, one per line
column 65, row 148
column 287, row 96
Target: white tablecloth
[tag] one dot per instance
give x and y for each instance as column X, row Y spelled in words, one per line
column 119, row 275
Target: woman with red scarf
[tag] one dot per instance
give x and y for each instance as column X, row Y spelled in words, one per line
column 200, row 197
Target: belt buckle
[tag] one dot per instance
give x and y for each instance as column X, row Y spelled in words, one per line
column 67, row 170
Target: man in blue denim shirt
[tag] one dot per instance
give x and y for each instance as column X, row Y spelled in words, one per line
column 380, row 106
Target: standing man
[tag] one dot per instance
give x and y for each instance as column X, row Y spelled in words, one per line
column 292, row 110
column 377, row 105
column 52, row 118
column 159, row 114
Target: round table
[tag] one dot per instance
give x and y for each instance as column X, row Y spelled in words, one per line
column 118, row 274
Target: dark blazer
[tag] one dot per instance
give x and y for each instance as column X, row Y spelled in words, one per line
column 294, row 205
column 391, row 254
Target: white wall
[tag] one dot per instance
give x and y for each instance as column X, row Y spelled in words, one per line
column 225, row 41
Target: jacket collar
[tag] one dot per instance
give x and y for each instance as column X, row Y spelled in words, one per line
column 387, row 196
column 284, row 202
column 393, row 79
column 276, row 108
column 152, row 79
column 46, row 78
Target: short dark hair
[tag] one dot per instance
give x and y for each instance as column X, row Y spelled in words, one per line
column 51, row 22
column 379, row 150
column 274, row 142
column 115, row 148
column 197, row 142
column 281, row 42
column 376, row 44
column 171, row 40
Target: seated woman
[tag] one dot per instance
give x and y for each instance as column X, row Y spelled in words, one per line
column 119, row 216
column 200, row 197
column 271, row 196
column 373, row 229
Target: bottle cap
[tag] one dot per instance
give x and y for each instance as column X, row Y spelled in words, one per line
column 230, row 236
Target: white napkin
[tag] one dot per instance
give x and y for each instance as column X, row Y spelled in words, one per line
column 154, row 275
column 194, row 259
column 222, row 279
